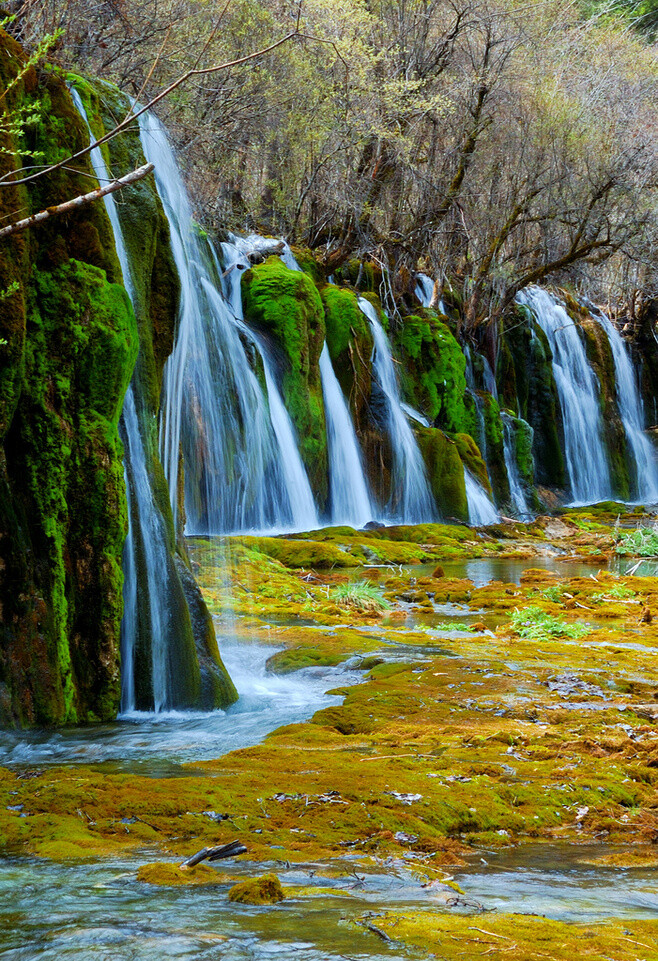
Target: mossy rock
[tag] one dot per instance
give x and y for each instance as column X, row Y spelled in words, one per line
column 493, row 430
column 535, row 398
column 472, row 458
column 599, row 354
column 432, row 371
column 285, row 304
column 165, row 874
column 63, row 450
column 445, row 472
column 350, row 344
column 264, row 890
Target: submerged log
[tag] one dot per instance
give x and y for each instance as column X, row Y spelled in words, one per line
column 230, row 850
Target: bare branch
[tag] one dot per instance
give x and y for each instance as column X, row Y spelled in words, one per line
column 80, row 201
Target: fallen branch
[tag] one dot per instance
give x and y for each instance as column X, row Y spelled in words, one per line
column 80, row 201
column 230, row 850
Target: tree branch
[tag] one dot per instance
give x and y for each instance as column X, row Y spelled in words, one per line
column 80, row 201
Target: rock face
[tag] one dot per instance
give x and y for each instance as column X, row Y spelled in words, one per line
column 72, row 341
column 71, row 347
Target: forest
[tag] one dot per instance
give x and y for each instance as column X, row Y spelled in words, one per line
column 328, row 479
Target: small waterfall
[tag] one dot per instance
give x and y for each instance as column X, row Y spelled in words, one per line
column 578, row 390
column 146, row 543
column 302, row 505
column 348, row 489
column 242, row 466
column 489, row 378
column 424, row 291
column 415, row 415
column 480, row 509
column 411, row 500
column 644, row 469
column 517, row 493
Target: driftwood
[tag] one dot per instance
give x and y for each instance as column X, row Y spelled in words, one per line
column 230, row 850
column 80, row 201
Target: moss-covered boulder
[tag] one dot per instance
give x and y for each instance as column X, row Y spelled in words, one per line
column 286, row 305
column 432, row 370
column 445, row 472
column 493, row 432
column 264, row 890
column 350, row 344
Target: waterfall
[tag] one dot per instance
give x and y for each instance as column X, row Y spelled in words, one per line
column 517, row 493
column 578, row 391
column 348, row 489
column 242, row 465
column 302, row 506
column 350, row 499
column 480, row 509
column 424, row 291
column 146, row 543
column 644, row 469
column 411, row 500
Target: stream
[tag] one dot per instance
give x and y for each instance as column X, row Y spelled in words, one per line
column 100, row 911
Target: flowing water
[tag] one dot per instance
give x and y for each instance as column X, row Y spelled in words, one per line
column 412, row 501
column 480, row 509
column 350, row 498
column 578, row 390
column 146, row 613
column 242, row 465
column 516, row 490
column 644, row 468
column 157, row 744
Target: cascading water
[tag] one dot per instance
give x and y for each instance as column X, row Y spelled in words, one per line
column 644, row 470
column 517, row 493
column 242, row 465
column 411, row 501
column 145, row 548
column 425, row 292
column 350, row 499
column 578, row 391
column 480, row 509
column 304, row 514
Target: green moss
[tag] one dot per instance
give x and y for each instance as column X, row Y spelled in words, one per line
column 67, row 452
column 350, row 344
column 535, row 397
column 264, row 890
column 432, row 371
column 599, row 354
column 287, row 306
column 472, row 458
column 445, row 472
column 493, row 430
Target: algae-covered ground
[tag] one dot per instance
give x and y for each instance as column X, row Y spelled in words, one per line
column 491, row 715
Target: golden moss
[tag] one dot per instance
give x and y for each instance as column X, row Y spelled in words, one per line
column 264, row 890
column 166, row 874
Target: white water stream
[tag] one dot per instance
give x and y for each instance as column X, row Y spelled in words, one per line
column 351, row 503
column 242, row 464
column 146, row 543
column 644, row 468
column 578, row 390
column 411, row 499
